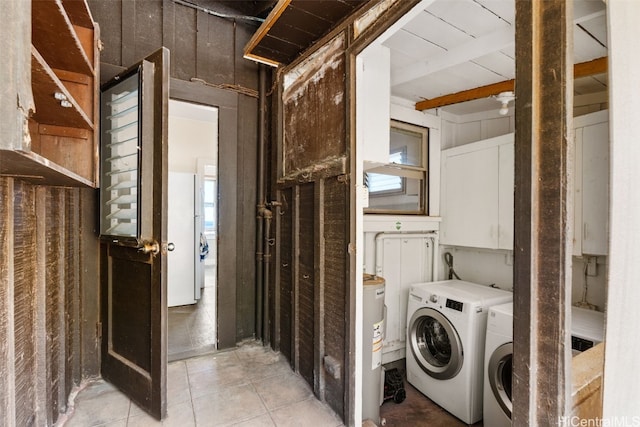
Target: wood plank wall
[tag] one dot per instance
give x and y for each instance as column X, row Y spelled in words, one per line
column 45, row 287
column 312, row 279
column 203, row 48
column 313, row 141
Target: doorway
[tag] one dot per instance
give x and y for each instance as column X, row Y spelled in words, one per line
column 192, row 229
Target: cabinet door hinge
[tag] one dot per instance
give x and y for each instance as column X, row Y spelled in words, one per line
column 99, row 330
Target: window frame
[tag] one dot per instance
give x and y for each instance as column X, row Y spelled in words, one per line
column 419, row 172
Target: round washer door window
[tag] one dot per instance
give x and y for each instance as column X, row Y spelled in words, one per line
column 435, row 344
column 499, row 372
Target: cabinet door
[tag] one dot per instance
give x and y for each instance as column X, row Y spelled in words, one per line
column 470, row 198
column 505, row 195
column 595, row 189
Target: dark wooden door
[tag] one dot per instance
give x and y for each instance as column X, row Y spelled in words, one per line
column 133, row 228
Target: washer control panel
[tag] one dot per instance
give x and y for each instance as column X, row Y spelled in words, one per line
column 453, row 304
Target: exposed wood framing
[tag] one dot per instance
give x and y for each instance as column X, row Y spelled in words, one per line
column 319, row 287
column 275, row 13
column 583, row 69
column 542, row 251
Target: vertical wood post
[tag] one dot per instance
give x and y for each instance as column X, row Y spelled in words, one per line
column 542, row 269
column 7, row 298
column 319, row 288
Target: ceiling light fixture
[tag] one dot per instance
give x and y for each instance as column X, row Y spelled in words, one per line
column 504, row 98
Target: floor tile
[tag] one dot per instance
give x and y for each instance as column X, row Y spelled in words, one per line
column 99, row 404
column 178, row 390
column 309, row 412
column 263, row 420
column 283, row 390
column 248, row 387
column 180, row 415
column 210, row 362
column 230, row 406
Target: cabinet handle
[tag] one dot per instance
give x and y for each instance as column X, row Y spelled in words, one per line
column 584, row 231
column 305, row 276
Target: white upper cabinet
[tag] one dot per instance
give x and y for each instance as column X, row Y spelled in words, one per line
column 477, row 194
column 591, row 202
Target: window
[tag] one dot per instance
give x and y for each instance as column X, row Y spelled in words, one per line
column 400, row 186
column 209, row 205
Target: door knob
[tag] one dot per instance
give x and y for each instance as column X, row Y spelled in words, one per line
column 150, row 247
column 171, row 246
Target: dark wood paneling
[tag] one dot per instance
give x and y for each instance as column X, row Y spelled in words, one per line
column 72, row 292
column 247, row 179
column 336, row 233
column 110, row 13
column 285, row 284
column 85, row 232
column 314, row 110
column 216, row 45
column 6, row 301
column 25, row 261
column 246, row 72
column 54, row 285
column 183, row 56
column 147, row 29
column 40, row 309
column 305, row 315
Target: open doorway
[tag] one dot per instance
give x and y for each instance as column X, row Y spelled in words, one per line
column 192, row 229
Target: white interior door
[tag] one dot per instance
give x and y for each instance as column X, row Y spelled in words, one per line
column 182, row 233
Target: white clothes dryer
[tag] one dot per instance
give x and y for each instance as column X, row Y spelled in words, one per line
column 587, row 330
column 446, row 329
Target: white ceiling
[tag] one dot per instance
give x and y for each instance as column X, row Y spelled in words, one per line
column 448, row 46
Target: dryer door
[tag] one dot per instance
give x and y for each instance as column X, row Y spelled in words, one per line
column 435, row 344
column 499, row 372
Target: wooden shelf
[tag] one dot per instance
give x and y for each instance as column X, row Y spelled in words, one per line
column 33, row 167
column 48, row 109
column 78, row 12
column 61, row 146
column 52, row 29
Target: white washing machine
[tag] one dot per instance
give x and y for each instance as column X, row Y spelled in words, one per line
column 446, row 328
column 587, row 330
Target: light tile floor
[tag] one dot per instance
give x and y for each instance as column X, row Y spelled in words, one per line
column 248, row 386
column 192, row 327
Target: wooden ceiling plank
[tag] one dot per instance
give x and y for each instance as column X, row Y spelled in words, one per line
column 273, row 17
column 584, row 69
column 331, row 11
column 475, row 48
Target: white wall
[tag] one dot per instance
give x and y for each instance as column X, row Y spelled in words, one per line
column 482, row 266
column 193, row 134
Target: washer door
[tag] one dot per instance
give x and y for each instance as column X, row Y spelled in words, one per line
column 499, row 373
column 435, row 344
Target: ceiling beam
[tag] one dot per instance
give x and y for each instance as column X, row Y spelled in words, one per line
column 584, row 69
column 473, row 49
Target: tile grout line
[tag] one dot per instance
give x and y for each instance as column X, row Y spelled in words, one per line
column 193, row 408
